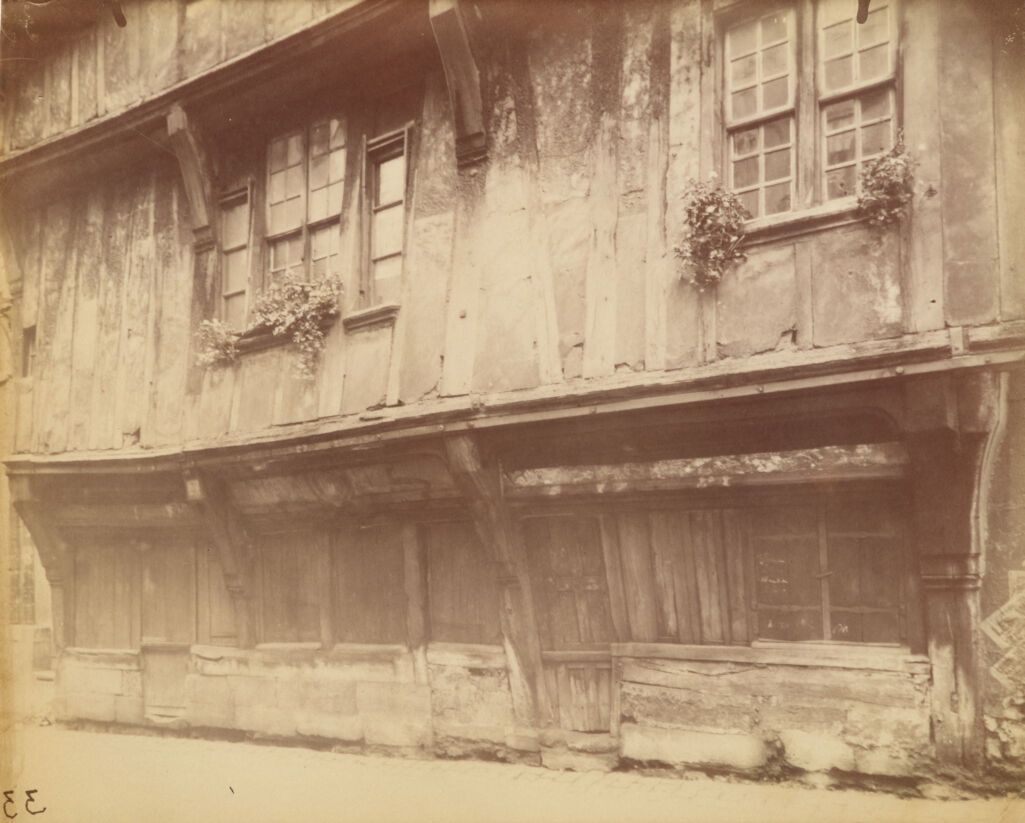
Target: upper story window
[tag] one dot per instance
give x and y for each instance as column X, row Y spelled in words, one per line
column 302, row 207
column 808, row 97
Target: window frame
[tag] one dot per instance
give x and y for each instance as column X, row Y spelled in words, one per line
column 809, row 102
column 378, row 150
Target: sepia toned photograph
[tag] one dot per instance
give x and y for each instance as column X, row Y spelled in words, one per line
column 512, row 410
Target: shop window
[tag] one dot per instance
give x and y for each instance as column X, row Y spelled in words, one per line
column 776, row 160
column 462, row 595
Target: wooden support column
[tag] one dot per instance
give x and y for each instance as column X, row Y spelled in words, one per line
column 415, row 578
column 194, row 164
column 462, row 78
column 482, row 487
column 224, row 527
column 55, row 556
column 953, row 423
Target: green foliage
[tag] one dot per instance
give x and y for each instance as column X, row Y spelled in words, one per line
column 715, row 232
column 886, row 187
column 218, row 344
column 293, row 308
column 298, row 309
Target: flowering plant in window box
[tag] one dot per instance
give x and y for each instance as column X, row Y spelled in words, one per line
column 715, row 231
column 294, row 308
column 886, row 187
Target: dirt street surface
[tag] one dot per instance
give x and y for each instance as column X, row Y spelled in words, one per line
column 80, row 777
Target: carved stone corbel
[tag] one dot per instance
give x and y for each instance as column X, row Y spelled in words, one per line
column 463, row 80
column 224, row 527
column 194, row 163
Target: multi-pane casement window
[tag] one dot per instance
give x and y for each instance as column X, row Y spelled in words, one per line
column 235, row 232
column 808, row 98
column 305, row 181
column 386, row 209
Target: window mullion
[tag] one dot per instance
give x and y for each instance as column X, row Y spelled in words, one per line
column 824, row 574
column 807, row 139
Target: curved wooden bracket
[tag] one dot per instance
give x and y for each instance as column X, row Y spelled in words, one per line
column 463, row 80
column 193, row 162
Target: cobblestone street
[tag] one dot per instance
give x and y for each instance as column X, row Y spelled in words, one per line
column 82, row 777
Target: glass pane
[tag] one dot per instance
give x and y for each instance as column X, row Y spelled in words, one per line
column 318, row 204
column 742, row 39
column 749, row 200
column 836, row 40
column 840, row 182
column 775, row 93
column 777, row 198
column 236, row 224
column 776, row 133
column 236, row 271
column 388, row 279
column 334, row 198
column 745, row 103
column 337, row 133
column 874, row 29
column 777, row 164
column 391, row 180
column 875, row 62
column 742, row 71
column 277, row 187
column 276, row 154
column 293, row 181
column 880, row 627
column 875, row 139
column 774, row 27
column 319, row 138
column 293, row 213
column 880, row 572
column 318, row 171
column 324, row 241
column 336, row 171
column 235, row 311
column 387, row 230
column 840, row 115
column 286, row 252
column 839, row 73
column 789, row 625
column 745, row 142
column 774, row 60
column 276, row 218
column 745, row 173
column 840, row 148
column 875, row 104
column 846, row 627
column 295, row 149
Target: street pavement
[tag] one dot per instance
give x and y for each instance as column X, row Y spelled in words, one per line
column 80, row 777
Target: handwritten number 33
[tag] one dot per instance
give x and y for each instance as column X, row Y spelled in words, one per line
column 9, row 805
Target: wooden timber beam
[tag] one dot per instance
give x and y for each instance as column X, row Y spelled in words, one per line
column 54, row 554
column 955, row 427
column 193, row 161
column 463, row 80
column 224, row 526
column 482, row 487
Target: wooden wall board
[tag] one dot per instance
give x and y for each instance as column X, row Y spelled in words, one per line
column 369, row 588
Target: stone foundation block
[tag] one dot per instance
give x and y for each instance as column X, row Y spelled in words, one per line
column 90, row 679
column 682, row 746
column 265, row 719
column 815, row 751
column 566, row 760
column 395, row 714
column 128, row 709
column 90, row 706
column 325, row 724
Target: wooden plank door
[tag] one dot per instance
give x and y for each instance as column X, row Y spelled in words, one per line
column 568, row 578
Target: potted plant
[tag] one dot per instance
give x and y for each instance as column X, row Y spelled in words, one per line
column 715, row 232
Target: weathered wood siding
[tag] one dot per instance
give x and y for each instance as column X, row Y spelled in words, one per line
column 549, row 264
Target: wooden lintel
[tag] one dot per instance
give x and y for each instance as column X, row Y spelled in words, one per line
column 482, row 487
column 825, row 464
column 224, row 526
column 463, row 80
column 193, row 162
column 124, row 515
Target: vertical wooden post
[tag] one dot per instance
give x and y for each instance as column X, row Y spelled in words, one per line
column 225, row 529
column 482, row 487
column 415, row 578
column 54, row 555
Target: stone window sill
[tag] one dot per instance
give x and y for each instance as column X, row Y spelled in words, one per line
column 373, row 316
column 841, row 212
column 810, row 654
